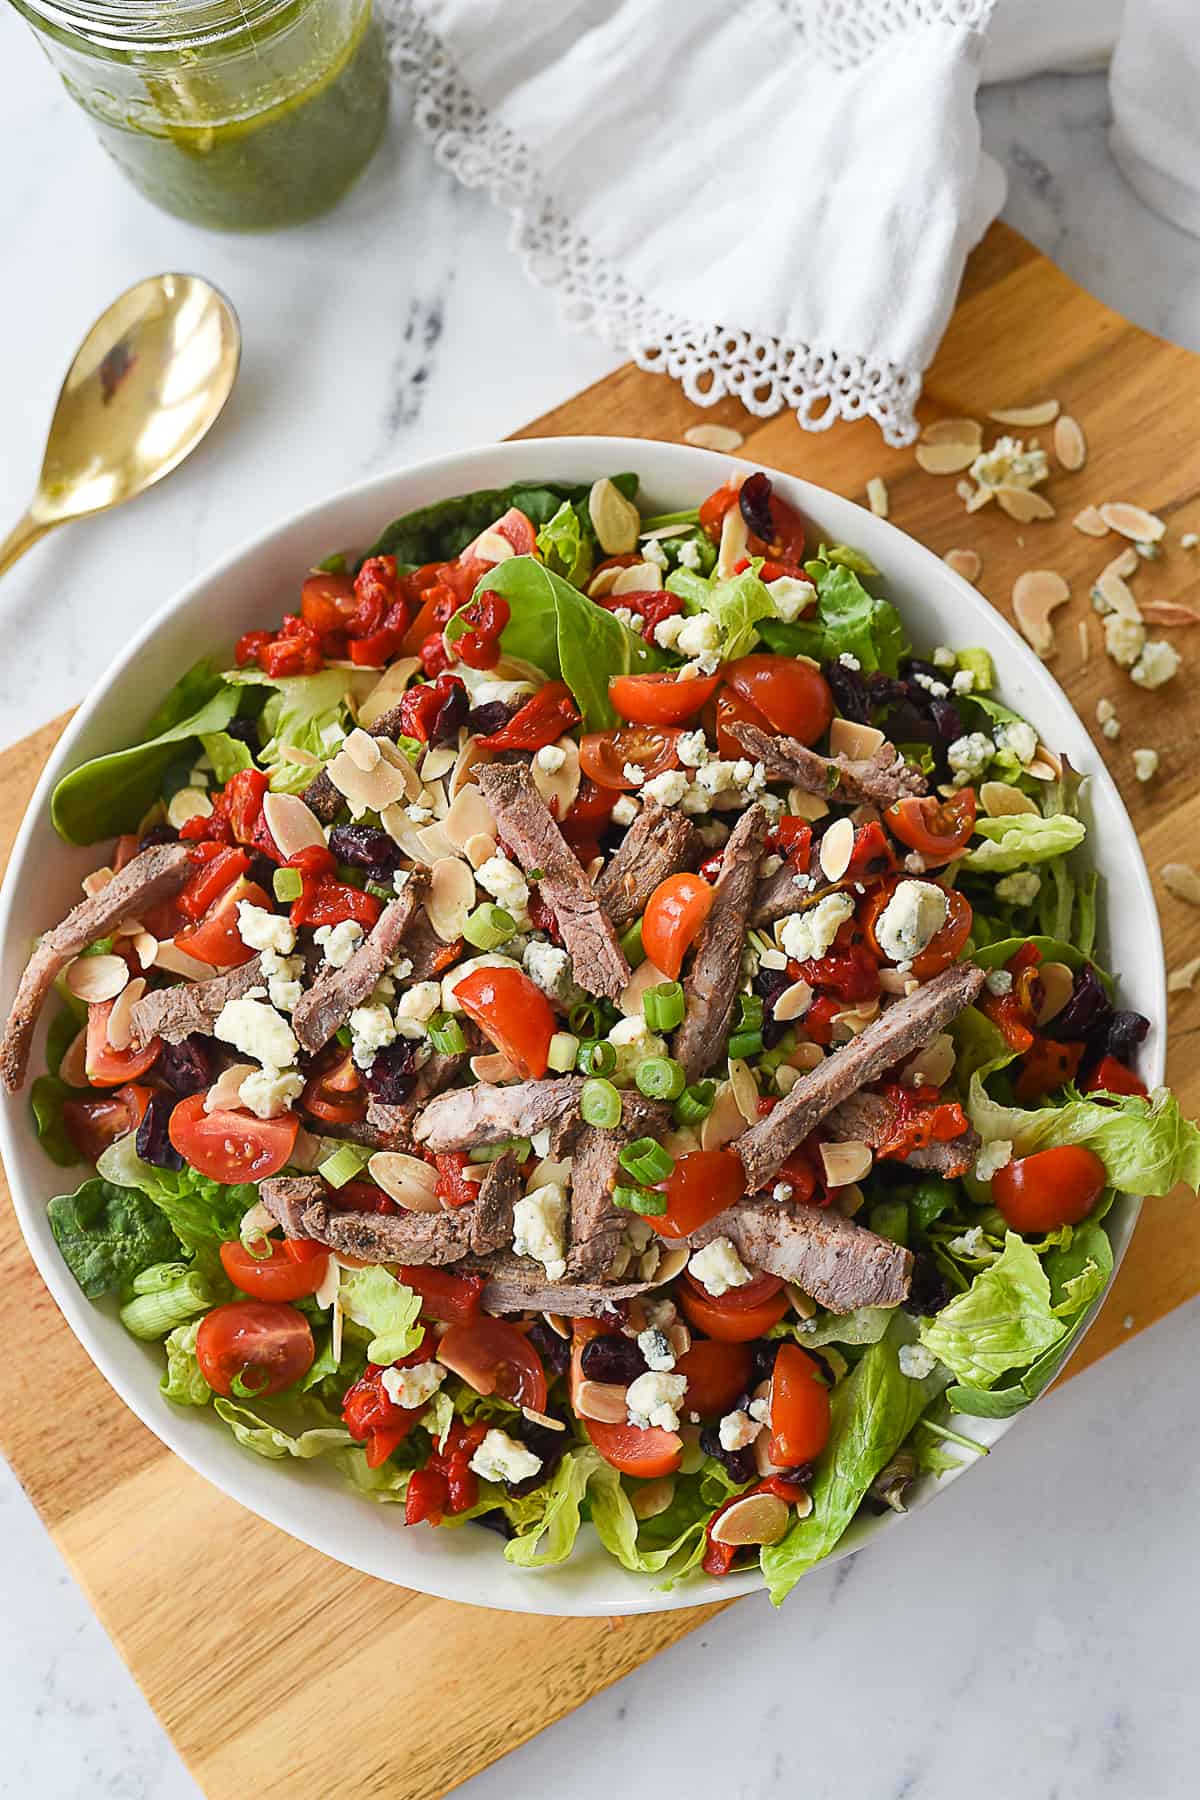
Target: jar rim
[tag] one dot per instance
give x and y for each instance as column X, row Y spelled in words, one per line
column 148, row 24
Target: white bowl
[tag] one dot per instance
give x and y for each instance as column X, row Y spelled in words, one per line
column 254, row 586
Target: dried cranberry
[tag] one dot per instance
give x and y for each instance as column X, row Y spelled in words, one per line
column 188, row 1066
column 613, row 1357
column 158, row 834
column 849, row 691
column 451, row 715
column 928, row 1290
column 246, row 732
column 554, row 1351
column 152, row 1143
column 1125, row 1032
column 390, row 1077
column 738, row 1464
column 497, row 1521
column 550, row 1445
column 483, row 720
column 800, row 1476
column 769, row 984
column 755, row 503
column 365, row 847
column 763, row 1351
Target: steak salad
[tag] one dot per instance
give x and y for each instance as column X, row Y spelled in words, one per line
column 582, row 1022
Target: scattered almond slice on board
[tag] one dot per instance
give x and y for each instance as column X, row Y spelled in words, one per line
column 1132, row 521
column 1035, row 595
column 1023, row 504
column 1170, row 613
column 946, row 459
column 877, row 496
column 1044, row 413
column 1181, row 880
column 1182, row 979
column 1123, row 566
column 1118, row 595
column 714, row 437
column 966, row 563
column 1070, row 445
column 1090, row 522
column 953, row 431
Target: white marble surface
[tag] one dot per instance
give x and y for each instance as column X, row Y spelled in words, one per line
column 1028, row 1634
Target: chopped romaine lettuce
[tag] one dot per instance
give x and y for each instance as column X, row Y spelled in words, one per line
column 1003, row 1321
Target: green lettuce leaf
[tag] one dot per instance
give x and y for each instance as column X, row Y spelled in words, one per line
column 873, row 1411
column 384, row 1307
column 182, row 1380
column 866, row 1325
column 228, row 755
column 675, row 1537
column 547, row 1521
column 388, row 1483
column 438, row 532
column 274, row 1441
column 1003, row 1321
column 847, row 618
column 1147, row 1146
column 1019, row 839
column 564, row 633
column 202, row 1213
column 568, row 544
column 108, row 1234
column 46, row 1096
column 737, row 606
column 302, row 712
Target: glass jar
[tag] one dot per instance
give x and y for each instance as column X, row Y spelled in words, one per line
column 242, row 117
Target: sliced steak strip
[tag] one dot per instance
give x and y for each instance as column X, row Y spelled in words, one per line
column 660, row 842
column 288, row 1197
column 321, row 797
column 154, row 875
column 491, row 1220
column 525, row 822
column 869, row 1118
column 174, row 1013
column 467, row 1118
column 597, row 1226
column 429, row 954
column 837, row 1262
column 410, row 1237
column 392, row 1121
column 710, row 987
column 326, row 1006
column 518, row 1284
column 891, row 1037
column 882, row 778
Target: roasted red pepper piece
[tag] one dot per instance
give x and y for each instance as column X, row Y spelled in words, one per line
column 542, row 720
column 1111, row 1074
column 1046, row 1067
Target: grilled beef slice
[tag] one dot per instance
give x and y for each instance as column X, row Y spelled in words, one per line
column 869, row 1119
column 882, row 778
column 288, row 1197
column 525, row 822
column 154, row 875
column 837, row 1262
column 491, row 1221
column 301, row 1205
column 518, row 1284
column 467, row 1118
column 392, row 1121
column 325, row 1007
column 660, row 842
column 711, row 985
column 894, row 1035
column 597, row 1226
column 174, row 1013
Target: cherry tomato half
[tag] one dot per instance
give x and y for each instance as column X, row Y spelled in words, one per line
column 730, row 709
column 92, row 1125
column 799, row 1409
column 661, row 698
column 109, row 1067
column 270, row 1347
column 604, row 754
column 671, row 923
column 760, row 1304
column 1050, row 1188
column 334, row 1093
column 717, row 1374
column 215, row 938
column 702, row 1184
column 515, row 1014
column 231, row 1146
column 935, row 828
column 647, row 1454
column 942, row 948
column 791, row 695
column 493, row 1357
column 277, row 1276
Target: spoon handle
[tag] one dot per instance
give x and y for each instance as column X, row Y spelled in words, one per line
column 24, row 534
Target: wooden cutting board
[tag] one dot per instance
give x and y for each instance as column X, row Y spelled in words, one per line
column 240, row 1636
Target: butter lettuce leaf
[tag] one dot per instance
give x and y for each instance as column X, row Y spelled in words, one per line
column 847, row 619
column 1003, row 1321
column 275, row 1441
column 386, row 1309
column 568, row 543
column 302, row 712
column 442, row 530
column 547, row 1521
column 1019, row 839
column 1147, row 1146
column 182, row 1381
column 674, row 1538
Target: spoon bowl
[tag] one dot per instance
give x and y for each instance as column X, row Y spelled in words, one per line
column 147, row 383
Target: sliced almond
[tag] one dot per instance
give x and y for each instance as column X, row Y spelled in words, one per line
column 1050, row 758
column 225, row 1094
column 794, row 1002
column 802, row 1304
column 725, row 1122
column 451, row 897
column 650, row 1498
column 73, row 1066
column 851, row 1200
column 1132, row 521
column 1181, row 880
column 1035, row 596
column 803, row 805
column 646, row 975
column 435, row 845
column 615, row 520
column 559, row 1326
column 966, row 563
column 806, row 1057
column 471, row 753
column 145, row 948
column 292, row 823
column 946, row 459
column 722, row 438
column 933, row 1064
column 852, row 1019
column 1090, row 523
column 97, row 978
column 954, row 431
column 543, row 1419
column 96, row 882
column 1042, row 771
column 1124, row 565
column 363, row 750
column 1058, row 984
column 673, row 1263
column 559, row 787
column 837, row 847
column 1179, row 981
column 388, row 690
column 493, row 1067
column 178, row 962
column 846, row 1162
column 735, row 543
column 376, row 789
column 756, row 1519
column 437, row 763
column 979, row 498
column 1085, row 643
column 492, row 546
column 858, row 742
column 638, row 578
column 895, row 981
column 303, row 759
column 119, row 1029
column 469, row 816
column 877, row 496
column 601, row 584
column 745, row 1089
column 603, row 1401
column 1169, row 613
column 1001, row 801
column 1023, row 504
column 406, row 1179
column 479, row 848
column 1070, row 445
column 1044, row 413
column 662, row 532
column 402, row 831
column 1118, row 596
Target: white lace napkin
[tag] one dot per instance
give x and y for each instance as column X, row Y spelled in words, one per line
column 767, row 198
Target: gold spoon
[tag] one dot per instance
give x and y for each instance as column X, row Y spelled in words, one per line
column 148, row 381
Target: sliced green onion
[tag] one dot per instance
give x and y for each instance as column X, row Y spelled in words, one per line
column 695, row 1103
column 600, row 1104
column 489, row 926
column 489, row 1153
column 660, row 1078
column 631, row 944
column 647, row 1161
column 597, row 1057
column 288, row 884
column 344, row 1165
column 344, row 1036
column 154, row 1315
column 745, row 1043
column 380, row 892
column 663, row 1006
column 242, row 1389
column 564, row 1048
column 646, row 1200
column 774, row 1059
column 750, row 1012
column 586, row 1019
column 446, row 1034
column 658, row 520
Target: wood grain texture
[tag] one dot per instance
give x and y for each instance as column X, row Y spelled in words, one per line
column 242, row 1638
